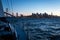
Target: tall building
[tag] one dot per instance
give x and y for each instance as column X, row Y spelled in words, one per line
column 7, row 10
column 16, row 14
column 1, row 9
column 51, row 13
column 12, row 13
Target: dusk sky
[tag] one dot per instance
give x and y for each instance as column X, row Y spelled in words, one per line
column 27, row 7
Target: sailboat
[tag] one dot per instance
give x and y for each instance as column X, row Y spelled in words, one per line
column 7, row 32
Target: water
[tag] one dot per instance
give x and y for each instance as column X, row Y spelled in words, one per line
column 39, row 29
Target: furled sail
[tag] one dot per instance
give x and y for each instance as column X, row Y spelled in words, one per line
column 1, row 10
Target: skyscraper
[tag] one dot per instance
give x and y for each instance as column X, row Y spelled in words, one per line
column 6, row 10
column 16, row 14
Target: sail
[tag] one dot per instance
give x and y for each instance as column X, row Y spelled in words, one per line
column 1, row 10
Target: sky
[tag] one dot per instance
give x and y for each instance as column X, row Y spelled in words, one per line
column 27, row 7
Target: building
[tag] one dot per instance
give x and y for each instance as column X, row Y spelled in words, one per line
column 16, row 14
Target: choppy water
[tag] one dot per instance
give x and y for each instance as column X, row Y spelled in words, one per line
column 41, row 29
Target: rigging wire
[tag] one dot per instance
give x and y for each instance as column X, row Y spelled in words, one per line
column 11, row 5
column 8, row 5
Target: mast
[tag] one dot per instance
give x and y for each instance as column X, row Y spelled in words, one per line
column 1, row 9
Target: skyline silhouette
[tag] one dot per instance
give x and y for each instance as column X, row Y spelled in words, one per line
column 27, row 7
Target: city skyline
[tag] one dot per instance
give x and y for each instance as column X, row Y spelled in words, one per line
column 27, row 7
